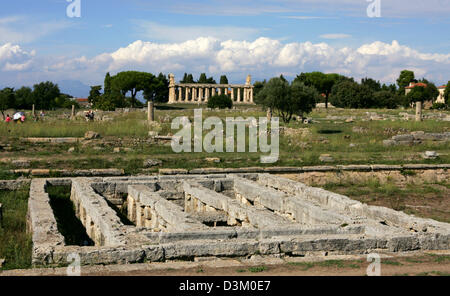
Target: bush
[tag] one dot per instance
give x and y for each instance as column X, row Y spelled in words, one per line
column 348, row 94
column 386, row 99
column 439, row 106
column 221, row 102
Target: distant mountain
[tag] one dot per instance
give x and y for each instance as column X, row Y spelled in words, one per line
column 74, row 88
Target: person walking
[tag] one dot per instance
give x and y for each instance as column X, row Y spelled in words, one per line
column 8, row 118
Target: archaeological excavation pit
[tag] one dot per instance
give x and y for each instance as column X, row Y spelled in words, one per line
column 182, row 217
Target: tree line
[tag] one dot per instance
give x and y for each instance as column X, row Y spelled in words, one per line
column 44, row 96
column 307, row 89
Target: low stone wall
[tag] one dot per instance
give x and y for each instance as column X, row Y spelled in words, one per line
column 417, row 138
column 305, row 169
column 148, row 209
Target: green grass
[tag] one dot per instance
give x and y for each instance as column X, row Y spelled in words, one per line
column 325, row 137
column 394, row 263
column 440, row 258
column 15, row 242
column 257, row 269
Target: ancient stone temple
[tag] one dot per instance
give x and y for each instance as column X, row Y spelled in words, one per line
column 200, row 92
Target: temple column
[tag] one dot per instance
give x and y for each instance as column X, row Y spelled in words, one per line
column 194, row 94
column 206, row 94
column 245, row 95
column 238, row 95
column 213, row 92
column 200, row 94
column 251, row 95
column 172, row 98
column 232, row 94
column 220, row 91
column 180, row 94
column 186, row 93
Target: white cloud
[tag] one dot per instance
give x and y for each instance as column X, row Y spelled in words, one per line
column 262, row 58
column 14, row 58
column 335, row 36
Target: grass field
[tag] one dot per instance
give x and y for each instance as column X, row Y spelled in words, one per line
column 328, row 134
column 15, row 243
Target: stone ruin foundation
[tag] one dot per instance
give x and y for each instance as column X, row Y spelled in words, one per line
column 182, row 217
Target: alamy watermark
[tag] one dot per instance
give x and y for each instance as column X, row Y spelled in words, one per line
column 213, row 141
column 74, row 268
column 74, row 8
column 374, row 8
column 374, row 268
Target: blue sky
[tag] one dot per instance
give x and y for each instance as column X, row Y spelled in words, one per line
column 38, row 41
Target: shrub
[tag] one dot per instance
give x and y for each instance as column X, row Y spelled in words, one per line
column 348, row 94
column 439, row 106
column 220, row 101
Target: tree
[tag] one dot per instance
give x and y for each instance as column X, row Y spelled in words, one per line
column 133, row 82
column 107, row 84
column 322, row 82
column 205, row 80
column 7, row 99
column 303, row 98
column 258, row 86
column 202, row 78
column 187, row 78
column 421, row 93
column 44, row 95
column 404, row 79
column 95, row 95
column 348, row 94
column 386, row 99
column 156, row 89
column 24, row 98
column 447, row 94
column 287, row 100
column 371, row 83
column 162, row 89
column 223, row 79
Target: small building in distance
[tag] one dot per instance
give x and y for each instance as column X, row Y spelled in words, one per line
column 83, row 102
column 440, row 98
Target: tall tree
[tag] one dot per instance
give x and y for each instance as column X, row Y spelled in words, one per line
column 349, row 94
column 7, row 99
column 405, row 78
column 107, row 84
column 44, row 95
column 287, row 100
column 322, row 82
column 223, row 79
column 202, row 78
column 133, row 82
column 371, row 83
column 447, row 94
column 24, row 98
column 95, row 95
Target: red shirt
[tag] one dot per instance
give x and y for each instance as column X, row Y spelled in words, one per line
column 8, row 119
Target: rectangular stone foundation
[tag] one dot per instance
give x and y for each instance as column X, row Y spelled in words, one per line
column 177, row 217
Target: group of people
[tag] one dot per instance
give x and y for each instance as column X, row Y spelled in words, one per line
column 90, row 115
column 18, row 119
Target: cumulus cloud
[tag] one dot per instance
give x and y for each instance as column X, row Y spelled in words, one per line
column 262, row 58
column 14, row 58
